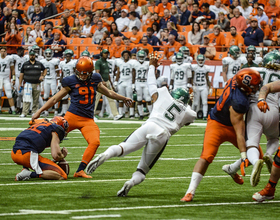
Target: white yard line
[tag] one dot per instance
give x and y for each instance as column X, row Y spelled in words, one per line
column 96, row 216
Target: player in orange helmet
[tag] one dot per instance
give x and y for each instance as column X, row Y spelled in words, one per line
column 82, row 88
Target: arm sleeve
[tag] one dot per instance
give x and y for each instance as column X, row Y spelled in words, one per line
column 152, row 82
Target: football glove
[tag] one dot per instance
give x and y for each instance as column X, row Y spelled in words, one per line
column 244, row 163
column 210, row 91
column 262, row 105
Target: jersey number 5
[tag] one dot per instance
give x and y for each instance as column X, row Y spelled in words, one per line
column 170, row 116
column 84, row 91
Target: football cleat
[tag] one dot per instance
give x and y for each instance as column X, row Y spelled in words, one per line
column 92, row 166
column 187, row 198
column 256, row 173
column 82, row 174
column 268, row 161
column 22, row 116
column 125, row 189
column 266, row 194
column 236, row 178
column 118, row 117
column 23, row 175
column 45, row 114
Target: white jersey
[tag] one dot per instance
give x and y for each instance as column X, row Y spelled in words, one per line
column 169, row 113
column 187, row 59
column 233, row 66
column 50, row 66
column 19, row 61
column 257, row 60
column 141, row 70
column 67, row 68
column 199, row 78
column 180, row 74
column 111, row 64
column 125, row 70
column 5, row 65
column 268, row 76
column 39, row 58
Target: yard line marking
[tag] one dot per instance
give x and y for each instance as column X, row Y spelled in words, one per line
column 96, row 216
column 145, row 207
column 109, row 180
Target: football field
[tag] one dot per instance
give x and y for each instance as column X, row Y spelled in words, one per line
column 158, row 197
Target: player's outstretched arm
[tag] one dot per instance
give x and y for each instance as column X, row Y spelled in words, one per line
column 151, row 78
column 52, row 101
column 113, row 95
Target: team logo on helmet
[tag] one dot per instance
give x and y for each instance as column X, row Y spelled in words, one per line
column 141, row 56
column 200, row 59
column 179, row 58
column 234, row 51
column 248, row 80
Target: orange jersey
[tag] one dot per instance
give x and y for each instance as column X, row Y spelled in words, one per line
column 93, row 28
column 82, row 18
column 171, row 49
column 210, row 2
column 71, row 4
column 161, row 8
column 148, row 46
column 269, row 10
column 153, row 9
column 70, row 21
column 226, row 2
column 117, row 51
column 134, row 38
column 236, row 40
column 254, row 12
column 86, row 4
column 217, row 40
column 129, row 47
column 267, row 32
column 275, row 26
column 107, row 25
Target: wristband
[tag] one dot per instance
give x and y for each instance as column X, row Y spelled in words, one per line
column 14, row 77
column 243, row 155
column 260, row 100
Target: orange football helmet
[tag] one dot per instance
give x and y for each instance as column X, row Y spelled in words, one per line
column 84, row 66
column 248, row 80
column 61, row 122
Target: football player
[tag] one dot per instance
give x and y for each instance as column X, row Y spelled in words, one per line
column 38, row 57
column 169, row 114
column 180, row 73
column 186, row 51
column 50, row 82
column 251, row 49
column 258, row 123
column 67, row 67
column 33, row 141
column 7, row 68
column 231, row 64
column 225, row 123
column 201, row 84
column 82, row 88
column 141, row 68
column 125, row 81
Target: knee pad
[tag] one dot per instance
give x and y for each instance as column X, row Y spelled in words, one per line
column 277, row 158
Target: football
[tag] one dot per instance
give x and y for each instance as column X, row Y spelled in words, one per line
column 64, row 165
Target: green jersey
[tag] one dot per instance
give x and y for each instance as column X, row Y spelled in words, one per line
column 103, row 67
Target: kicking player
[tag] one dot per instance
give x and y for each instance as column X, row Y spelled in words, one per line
column 268, row 192
column 225, row 123
column 232, row 64
column 33, row 141
column 82, row 88
column 7, row 68
column 50, row 84
column 201, row 84
column 141, row 68
column 169, row 114
column 67, row 67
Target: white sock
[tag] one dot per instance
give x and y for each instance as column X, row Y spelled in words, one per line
column 150, row 108
column 13, row 108
column 234, row 167
column 140, row 110
column 131, row 111
column 120, row 110
column 196, row 178
column 205, row 109
column 137, row 178
column 253, row 155
column 113, row 151
column 64, row 108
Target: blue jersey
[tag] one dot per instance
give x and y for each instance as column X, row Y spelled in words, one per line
column 38, row 137
column 82, row 94
column 232, row 96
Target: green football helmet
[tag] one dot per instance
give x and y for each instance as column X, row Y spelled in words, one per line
column 85, row 53
column 48, row 54
column 179, row 58
column 272, row 60
column 234, row 51
column 36, row 49
column 181, row 95
column 68, row 52
column 185, row 50
column 251, row 49
column 200, row 59
column 141, row 56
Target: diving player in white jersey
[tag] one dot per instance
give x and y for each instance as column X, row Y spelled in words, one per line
column 19, row 59
column 6, row 68
column 232, row 64
column 186, row 52
column 169, row 114
column 50, row 81
column 251, row 49
column 180, row 73
column 125, row 81
column 141, row 68
column 201, row 84
column 258, row 123
column 67, row 67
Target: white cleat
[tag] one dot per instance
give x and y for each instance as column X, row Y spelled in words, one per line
column 236, row 178
column 95, row 119
column 125, row 189
column 45, row 114
column 267, row 158
column 266, row 194
column 118, row 117
column 22, row 116
column 92, row 166
column 256, row 173
column 111, row 116
column 23, row 175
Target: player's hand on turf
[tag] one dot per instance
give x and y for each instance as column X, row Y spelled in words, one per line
column 262, row 105
column 244, row 164
column 64, row 151
column 35, row 116
column 128, row 102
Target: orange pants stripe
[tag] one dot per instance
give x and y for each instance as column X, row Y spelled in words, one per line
column 44, row 163
column 89, row 130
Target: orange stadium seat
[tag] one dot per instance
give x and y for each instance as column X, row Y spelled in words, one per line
column 71, row 42
column 220, row 55
column 98, row 5
column 24, row 27
column 185, row 28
